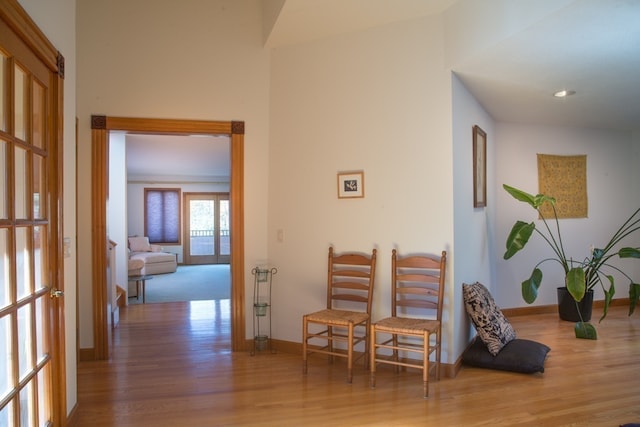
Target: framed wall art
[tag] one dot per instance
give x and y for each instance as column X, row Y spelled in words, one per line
column 350, row 185
column 479, row 167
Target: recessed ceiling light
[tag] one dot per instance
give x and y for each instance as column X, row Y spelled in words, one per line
column 564, row 93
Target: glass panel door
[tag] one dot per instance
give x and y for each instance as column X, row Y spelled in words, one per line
column 224, row 255
column 26, row 166
column 202, row 242
column 207, row 228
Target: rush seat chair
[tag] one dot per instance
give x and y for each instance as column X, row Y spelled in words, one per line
column 414, row 328
column 347, row 318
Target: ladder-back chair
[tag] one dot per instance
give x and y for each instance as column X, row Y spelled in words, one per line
column 348, row 314
column 417, row 287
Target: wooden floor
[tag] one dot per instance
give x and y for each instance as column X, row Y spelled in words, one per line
column 172, row 367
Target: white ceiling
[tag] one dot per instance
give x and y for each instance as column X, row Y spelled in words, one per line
column 589, row 46
column 201, row 158
column 532, row 49
column 300, row 21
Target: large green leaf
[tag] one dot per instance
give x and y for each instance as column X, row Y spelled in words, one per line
column 608, row 297
column 533, row 201
column 629, row 253
column 634, row 296
column 518, row 237
column 531, row 285
column 576, row 284
column 586, row 331
column 523, row 196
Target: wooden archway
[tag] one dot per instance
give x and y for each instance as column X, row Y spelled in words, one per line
column 100, row 128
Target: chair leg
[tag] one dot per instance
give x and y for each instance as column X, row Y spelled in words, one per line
column 372, row 357
column 367, row 338
column 330, row 343
column 395, row 352
column 438, row 351
column 304, row 344
column 350, row 354
column 425, row 365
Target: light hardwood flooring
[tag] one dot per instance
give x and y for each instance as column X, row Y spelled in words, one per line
column 172, row 367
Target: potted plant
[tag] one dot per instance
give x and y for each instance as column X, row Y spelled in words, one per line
column 581, row 276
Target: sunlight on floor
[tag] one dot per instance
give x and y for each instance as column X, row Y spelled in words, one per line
column 201, row 310
column 213, row 316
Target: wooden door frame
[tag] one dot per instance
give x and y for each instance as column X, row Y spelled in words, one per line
column 100, row 128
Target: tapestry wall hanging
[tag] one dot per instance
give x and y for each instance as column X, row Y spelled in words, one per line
column 565, row 179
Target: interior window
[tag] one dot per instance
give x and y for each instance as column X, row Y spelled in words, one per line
column 162, row 215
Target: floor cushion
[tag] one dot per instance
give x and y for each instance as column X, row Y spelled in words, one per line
column 518, row 355
column 492, row 326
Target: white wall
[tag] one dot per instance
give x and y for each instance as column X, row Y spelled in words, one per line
column 377, row 101
column 56, row 18
column 194, row 60
column 117, row 206
column 612, row 159
column 473, row 234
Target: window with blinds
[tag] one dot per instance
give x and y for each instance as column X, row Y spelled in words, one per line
column 162, row 215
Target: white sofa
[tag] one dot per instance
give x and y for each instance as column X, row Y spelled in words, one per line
column 146, row 259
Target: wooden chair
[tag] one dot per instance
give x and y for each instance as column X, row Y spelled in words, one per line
column 417, row 286
column 349, row 285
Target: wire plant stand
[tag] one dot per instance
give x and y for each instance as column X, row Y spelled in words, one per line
column 262, row 284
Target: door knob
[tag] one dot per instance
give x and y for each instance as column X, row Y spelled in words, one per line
column 56, row 293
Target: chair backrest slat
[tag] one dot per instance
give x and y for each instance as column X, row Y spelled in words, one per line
column 351, row 259
column 349, row 297
column 417, row 304
column 419, row 278
column 351, row 285
column 417, row 291
column 419, row 261
column 351, row 273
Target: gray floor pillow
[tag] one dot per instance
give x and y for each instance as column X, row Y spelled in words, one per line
column 518, row 355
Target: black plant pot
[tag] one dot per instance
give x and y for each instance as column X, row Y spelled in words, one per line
column 568, row 310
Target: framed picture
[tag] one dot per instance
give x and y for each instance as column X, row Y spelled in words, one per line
column 479, row 167
column 350, row 185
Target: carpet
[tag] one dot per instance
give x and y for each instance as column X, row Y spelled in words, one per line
column 188, row 283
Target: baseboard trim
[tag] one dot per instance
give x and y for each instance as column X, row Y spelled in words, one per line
column 553, row 308
column 72, row 417
column 86, row 354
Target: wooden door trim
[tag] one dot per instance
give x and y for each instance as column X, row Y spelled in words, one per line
column 100, row 128
column 20, row 22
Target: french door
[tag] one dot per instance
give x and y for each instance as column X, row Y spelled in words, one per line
column 32, row 391
column 207, row 228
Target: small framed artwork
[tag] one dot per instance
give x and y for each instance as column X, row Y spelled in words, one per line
column 479, row 167
column 350, row 185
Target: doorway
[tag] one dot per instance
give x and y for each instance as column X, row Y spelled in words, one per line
column 101, row 126
column 206, row 228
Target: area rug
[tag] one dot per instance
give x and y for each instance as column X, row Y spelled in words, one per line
column 188, row 283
